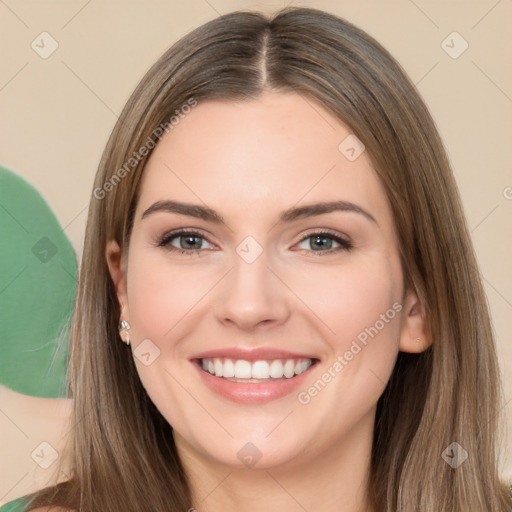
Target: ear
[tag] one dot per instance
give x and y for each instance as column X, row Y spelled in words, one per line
column 117, row 268
column 414, row 335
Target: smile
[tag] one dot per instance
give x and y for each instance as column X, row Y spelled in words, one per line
column 254, row 382
column 258, row 371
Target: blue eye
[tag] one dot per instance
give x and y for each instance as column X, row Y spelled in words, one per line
column 324, row 241
column 191, row 242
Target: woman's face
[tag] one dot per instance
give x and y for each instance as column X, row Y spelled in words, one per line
column 234, row 261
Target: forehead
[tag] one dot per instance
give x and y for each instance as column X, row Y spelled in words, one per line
column 259, row 156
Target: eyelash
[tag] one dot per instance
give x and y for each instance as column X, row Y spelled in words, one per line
column 345, row 245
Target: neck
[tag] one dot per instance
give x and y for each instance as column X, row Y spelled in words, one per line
column 331, row 480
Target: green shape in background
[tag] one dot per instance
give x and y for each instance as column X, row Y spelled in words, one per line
column 37, row 288
column 38, row 271
column 13, row 506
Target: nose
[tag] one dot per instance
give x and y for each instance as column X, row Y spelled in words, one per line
column 252, row 296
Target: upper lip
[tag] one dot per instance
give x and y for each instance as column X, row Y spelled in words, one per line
column 251, row 354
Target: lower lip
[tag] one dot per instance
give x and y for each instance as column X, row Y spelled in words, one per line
column 254, row 393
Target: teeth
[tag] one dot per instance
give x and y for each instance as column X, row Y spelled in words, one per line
column 289, row 368
column 228, row 368
column 260, row 370
column 242, row 369
column 217, row 365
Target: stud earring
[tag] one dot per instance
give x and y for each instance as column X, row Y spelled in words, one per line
column 124, row 326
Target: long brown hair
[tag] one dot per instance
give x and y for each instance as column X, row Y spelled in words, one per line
column 123, row 453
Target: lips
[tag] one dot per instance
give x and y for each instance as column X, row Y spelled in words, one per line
column 263, row 386
column 255, row 354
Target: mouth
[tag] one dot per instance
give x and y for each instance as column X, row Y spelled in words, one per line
column 240, row 370
column 257, row 381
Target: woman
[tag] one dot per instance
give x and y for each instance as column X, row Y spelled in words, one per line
column 276, row 235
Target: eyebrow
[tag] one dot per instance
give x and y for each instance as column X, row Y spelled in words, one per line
column 301, row 212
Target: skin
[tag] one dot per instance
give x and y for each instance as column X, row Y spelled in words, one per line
column 250, row 161
column 32, row 420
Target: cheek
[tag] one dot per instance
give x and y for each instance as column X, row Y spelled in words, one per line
column 165, row 306
column 361, row 305
column 349, row 298
column 162, row 294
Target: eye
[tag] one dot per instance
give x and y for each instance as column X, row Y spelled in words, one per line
column 325, row 242
column 188, row 242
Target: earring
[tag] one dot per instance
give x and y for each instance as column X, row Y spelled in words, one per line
column 124, row 326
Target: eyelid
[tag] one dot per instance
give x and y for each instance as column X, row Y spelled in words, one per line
column 344, row 241
column 325, row 231
column 174, row 233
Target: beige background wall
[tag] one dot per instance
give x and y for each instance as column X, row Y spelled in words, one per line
column 57, row 112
